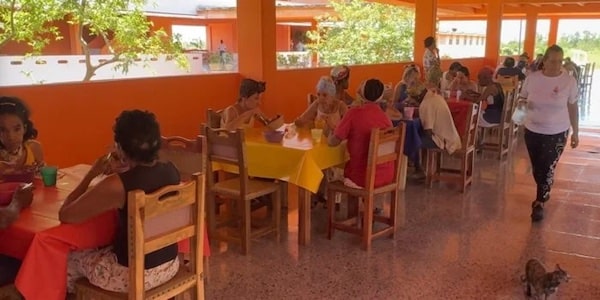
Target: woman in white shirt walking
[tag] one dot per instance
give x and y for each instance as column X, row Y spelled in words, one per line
column 551, row 99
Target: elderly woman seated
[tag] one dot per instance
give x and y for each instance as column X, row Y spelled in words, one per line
column 439, row 130
column 137, row 141
column 326, row 109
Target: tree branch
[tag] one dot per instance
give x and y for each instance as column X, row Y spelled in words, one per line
column 108, row 43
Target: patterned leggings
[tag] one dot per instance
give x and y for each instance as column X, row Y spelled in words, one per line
column 101, row 268
column 544, row 153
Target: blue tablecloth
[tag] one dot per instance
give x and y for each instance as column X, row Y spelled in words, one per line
column 412, row 140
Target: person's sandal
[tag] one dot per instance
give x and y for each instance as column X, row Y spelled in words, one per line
column 537, row 211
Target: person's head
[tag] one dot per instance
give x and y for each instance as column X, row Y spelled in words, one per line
column 15, row 125
column 341, row 76
column 137, row 136
column 524, row 56
column 429, row 42
column 454, row 67
column 568, row 60
column 552, row 59
column 326, row 90
column 411, row 73
column 485, row 76
column 509, row 62
column 432, row 79
column 250, row 91
column 463, row 74
column 372, row 90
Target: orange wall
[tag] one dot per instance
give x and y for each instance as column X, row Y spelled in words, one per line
column 59, row 47
column 75, row 120
column 222, row 31
column 283, row 38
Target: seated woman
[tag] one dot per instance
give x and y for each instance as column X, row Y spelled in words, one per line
column 508, row 69
column 341, row 78
column 22, row 198
column 406, row 86
column 493, row 94
column 462, row 82
column 449, row 76
column 439, row 130
column 242, row 113
column 19, row 151
column 327, row 109
column 137, row 140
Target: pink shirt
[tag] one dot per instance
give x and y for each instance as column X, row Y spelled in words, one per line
column 356, row 126
column 547, row 99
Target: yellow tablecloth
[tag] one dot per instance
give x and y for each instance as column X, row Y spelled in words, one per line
column 297, row 160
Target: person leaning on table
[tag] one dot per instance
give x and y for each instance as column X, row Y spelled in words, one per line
column 550, row 95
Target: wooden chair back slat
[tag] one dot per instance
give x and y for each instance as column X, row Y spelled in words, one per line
column 470, row 136
column 188, row 156
column 227, row 147
column 213, row 118
column 386, row 145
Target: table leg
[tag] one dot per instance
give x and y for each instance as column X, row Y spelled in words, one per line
column 303, row 216
column 403, row 171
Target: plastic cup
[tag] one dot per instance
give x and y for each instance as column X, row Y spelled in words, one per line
column 49, row 174
column 458, row 94
column 409, row 112
column 447, row 94
column 317, row 135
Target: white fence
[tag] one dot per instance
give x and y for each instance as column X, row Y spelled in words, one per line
column 47, row 69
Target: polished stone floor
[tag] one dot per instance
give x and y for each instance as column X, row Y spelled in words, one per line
column 453, row 246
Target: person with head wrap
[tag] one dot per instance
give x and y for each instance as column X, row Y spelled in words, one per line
column 355, row 127
column 243, row 112
column 439, row 130
column 325, row 108
column 341, row 77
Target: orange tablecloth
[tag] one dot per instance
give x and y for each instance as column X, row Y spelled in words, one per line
column 43, row 243
column 460, row 111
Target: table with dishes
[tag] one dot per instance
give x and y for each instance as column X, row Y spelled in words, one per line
column 43, row 243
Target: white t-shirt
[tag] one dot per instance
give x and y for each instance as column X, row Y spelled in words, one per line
column 547, row 98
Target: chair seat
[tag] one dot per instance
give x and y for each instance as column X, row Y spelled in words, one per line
column 340, row 187
column 85, row 290
column 255, row 188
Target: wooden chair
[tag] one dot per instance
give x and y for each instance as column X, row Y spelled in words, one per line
column 501, row 134
column 9, row 292
column 165, row 217
column 463, row 175
column 213, row 118
column 385, row 146
column 189, row 156
column 227, row 147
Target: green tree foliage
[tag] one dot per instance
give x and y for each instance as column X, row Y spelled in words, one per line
column 363, row 32
column 30, row 22
column 125, row 31
column 516, row 47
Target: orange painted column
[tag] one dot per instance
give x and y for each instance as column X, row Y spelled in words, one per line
column 553, row 34
column 493, row 32
column 530, row 33
column 425, row 26
column 256, row 38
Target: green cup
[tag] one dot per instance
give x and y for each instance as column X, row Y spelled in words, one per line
column 49, row 175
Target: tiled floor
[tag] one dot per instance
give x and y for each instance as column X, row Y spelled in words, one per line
column 453, row 246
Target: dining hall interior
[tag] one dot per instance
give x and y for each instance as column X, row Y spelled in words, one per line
column 261, row 216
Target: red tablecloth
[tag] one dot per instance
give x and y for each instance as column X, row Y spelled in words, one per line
column 43, row 243
column 460, row 111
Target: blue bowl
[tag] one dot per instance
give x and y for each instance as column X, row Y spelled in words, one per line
column 273, row 136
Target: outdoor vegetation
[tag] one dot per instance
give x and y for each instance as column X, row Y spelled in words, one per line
column 119, row 26
column 362, row 32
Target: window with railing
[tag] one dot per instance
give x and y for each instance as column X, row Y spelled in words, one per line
column 466, row 38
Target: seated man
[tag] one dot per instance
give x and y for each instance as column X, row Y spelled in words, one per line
column 356, row 126
column 508, row 69
column 438, row 126
column 10, row 266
